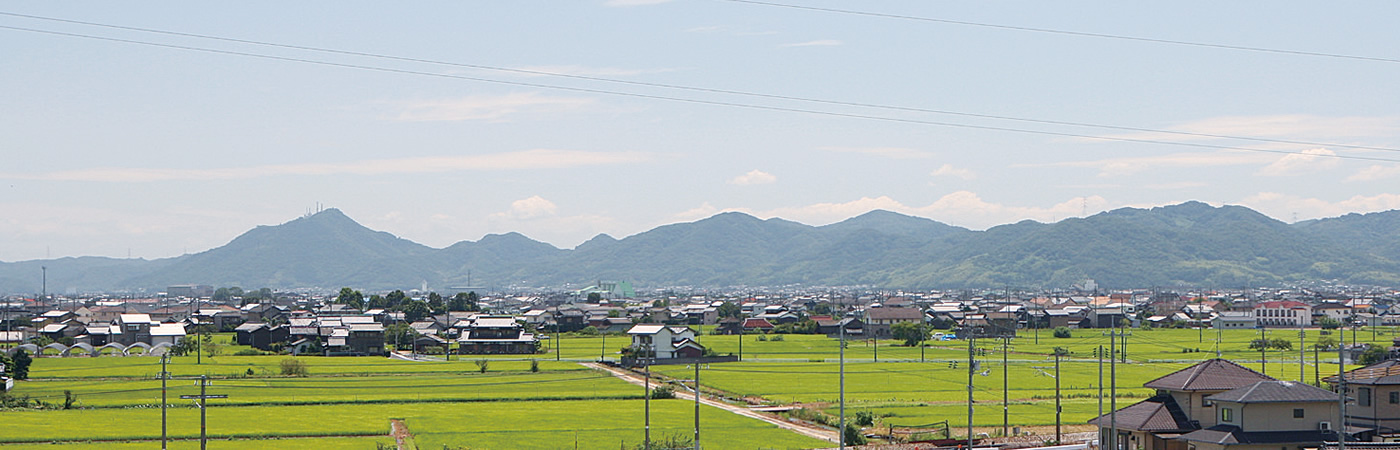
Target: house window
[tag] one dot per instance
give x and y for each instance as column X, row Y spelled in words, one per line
column 1395, row 397
column 1363, row 396
column 1297, row 413
column 1227, row 414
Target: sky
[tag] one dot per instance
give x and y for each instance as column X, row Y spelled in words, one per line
column 155, row 129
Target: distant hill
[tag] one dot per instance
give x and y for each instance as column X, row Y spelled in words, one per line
column 1187, row 244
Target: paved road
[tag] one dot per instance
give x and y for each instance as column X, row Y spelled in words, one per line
column 806, row 430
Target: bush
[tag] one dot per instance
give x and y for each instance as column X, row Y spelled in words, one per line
column 865, row 418
column 777, row 338
column 483, row 364
column 248, row 352
column 663, row 392
column 534, row 366
column 294, row 367
column 1062, row 332
column 853, row 435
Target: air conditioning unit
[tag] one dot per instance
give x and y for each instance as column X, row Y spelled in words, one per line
column 1324, row 426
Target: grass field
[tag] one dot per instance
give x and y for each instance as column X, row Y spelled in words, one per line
column 346, row 402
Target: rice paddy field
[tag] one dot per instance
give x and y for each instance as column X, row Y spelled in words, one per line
column 347, row 402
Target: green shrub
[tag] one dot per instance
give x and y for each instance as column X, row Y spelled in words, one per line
column 483, row 364
column 663, row 392
column 294, row 367
column 248, row 352
column 1062, row 332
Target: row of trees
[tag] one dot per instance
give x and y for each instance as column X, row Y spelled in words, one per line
column 413, row 309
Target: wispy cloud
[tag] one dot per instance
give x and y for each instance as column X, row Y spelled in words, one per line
column 1129, row 166
column 1376, row 172
column 1305, row 161
column 489, row 108
column 590, row 71
column 947, row 170
column 816, row 43
column 522, row 160
column 884, row 152
column 626, row 3
column 1287, row 206
column 754, row 177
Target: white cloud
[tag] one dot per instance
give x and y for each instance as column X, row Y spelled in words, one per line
column 529, row 208
column 1286, row 206
column 816, row 43
column 754, row 177
column 949, row 171
column 521, row 160
column 1177, row 185
column 489, row 108
column 1376, row 172
column 696, row 213
column 884, row 152
column 625, row 3
column 590, row 71
column 1303, row 162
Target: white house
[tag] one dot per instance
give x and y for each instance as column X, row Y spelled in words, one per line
column 667, row 341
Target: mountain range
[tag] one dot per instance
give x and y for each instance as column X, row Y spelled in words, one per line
column 1189, row 244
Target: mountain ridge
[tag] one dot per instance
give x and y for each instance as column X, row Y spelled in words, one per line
column 1190, row 243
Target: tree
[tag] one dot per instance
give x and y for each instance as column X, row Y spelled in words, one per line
column 1062, row 332
column 594, row 297
column 1373, row 354
column 22, row 361
column 294, row 367
column 377, row 302
column 911, row 333
column 463, row 301
column 1328, row 323
column 1325, row 343
column 395, row 299
column 351, row 297
column 185, row 346
column 436, row 303
column 415, row 310
column 729, row 309
column 209, row 347
column 823, row 308
column 399, row 333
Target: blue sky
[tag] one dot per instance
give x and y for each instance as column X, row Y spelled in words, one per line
column 114, row 148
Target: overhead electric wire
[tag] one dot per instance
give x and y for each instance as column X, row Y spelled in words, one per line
column 1070, row 32
column 699, row 101
column 696, row 88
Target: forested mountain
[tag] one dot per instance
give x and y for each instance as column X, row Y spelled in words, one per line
column 1186, row 244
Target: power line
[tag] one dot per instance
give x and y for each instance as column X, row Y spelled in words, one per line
column 1072, row 33
column 697, row 88
column 704, row 102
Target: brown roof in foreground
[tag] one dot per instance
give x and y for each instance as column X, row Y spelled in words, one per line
column 1156, row 414
column 1209, row 375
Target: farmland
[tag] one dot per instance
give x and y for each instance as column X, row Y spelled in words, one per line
column 538, row 402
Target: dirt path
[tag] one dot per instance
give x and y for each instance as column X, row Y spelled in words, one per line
column 805, row 430
column 402, row 438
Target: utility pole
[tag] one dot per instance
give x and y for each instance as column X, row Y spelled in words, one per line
column 164, row 375
column 841, row 345
column 1302, row 350
column 971, row 369
column 558, row 342
column 1342, row 396
column 697, row 406
column 741, row 340
column 646, row 363
column 1057, row 399
column 1099, row 353
column 1005, row 375
column 202, row 399
column 1263, row 345
column 1113, row 389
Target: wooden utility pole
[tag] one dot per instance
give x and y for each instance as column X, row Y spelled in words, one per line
column 1058, row 440
column 164, row 375
column 203, row 398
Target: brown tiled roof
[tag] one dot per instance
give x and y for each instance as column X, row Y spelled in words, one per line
column 1275, row 392
column 1156, row 414
column 1209, row 375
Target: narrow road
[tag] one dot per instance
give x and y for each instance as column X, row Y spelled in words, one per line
column 803, row 429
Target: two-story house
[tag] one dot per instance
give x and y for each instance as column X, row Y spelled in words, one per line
column 664, row 342
column 1179, row 406
column 1269, row 415
column 490, row 335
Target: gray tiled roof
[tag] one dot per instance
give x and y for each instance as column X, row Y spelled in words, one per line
column 1209, row 375
column 1275, row 392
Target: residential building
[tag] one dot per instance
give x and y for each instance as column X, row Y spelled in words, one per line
column 1283, row 313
